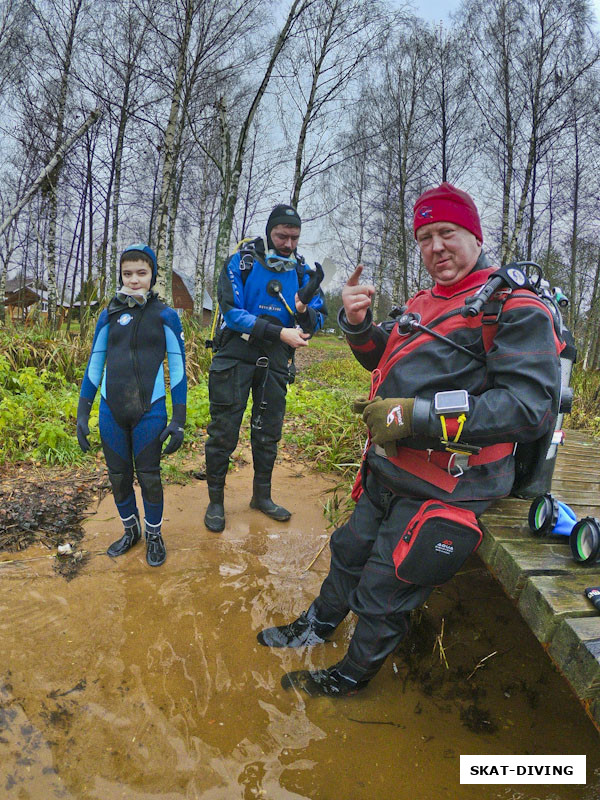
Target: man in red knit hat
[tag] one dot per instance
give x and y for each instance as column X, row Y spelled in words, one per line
column 443, row 417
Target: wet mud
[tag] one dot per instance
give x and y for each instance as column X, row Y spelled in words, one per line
column 138, row 683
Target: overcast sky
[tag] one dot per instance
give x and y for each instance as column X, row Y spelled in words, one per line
column 435, row 10
column 432, row 11
column 440, row 10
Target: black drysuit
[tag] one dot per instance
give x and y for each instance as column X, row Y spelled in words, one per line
column 252, row 357
column 514, row 397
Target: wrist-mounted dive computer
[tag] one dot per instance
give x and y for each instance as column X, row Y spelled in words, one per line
column 450, row 403
column 454, row 405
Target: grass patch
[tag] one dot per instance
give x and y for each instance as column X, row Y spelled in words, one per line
column 41, row 371
column 319, row 425
column 585, row 414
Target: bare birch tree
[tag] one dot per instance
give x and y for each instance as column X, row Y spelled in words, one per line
column 230, row 160
column 335, row 41
column 524, row 57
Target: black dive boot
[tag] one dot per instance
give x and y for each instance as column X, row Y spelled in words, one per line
column 305, row 630
column 322, row 682
column 131, row 536
column 214, row 519
column 261, row 499
column 156, row 552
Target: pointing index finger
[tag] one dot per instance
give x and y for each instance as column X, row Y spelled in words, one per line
column 354, row 278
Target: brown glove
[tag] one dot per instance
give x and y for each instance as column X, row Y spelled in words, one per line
column 389, row 419
column 359, row 405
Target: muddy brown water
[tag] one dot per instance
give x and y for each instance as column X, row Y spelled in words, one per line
column 149, row 684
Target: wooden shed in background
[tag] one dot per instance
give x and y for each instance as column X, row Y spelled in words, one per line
column 183, row 298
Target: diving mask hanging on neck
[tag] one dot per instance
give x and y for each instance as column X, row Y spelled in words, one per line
column 279, row 263
column 132, row 297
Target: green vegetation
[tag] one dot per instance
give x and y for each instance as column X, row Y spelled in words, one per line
column 40, row 374
column 37, row 412
column 586, row 401
column 320, row 425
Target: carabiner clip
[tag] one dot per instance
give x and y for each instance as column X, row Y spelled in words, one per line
column 454, row 469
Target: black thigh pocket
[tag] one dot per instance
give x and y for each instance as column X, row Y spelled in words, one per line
column 223, row 382
column 436, row 543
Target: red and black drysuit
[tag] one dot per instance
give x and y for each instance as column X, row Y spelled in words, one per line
column 514, row 397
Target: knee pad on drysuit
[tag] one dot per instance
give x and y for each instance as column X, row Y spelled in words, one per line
column 122, row 484
column 151, row 486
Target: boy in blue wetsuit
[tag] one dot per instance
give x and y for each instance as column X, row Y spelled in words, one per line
column 271, row 304
column 133, row 335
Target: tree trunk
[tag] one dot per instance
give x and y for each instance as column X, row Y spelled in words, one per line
column 74, row 238
column 591, row 327
column 174, row 205
column 512, row 247
column 66, row 62
column 117, row 169
column 51, row 257
column 231, row 172
column 308, row 113
column 48, row 169
column 573, row 282
column 380, row 273
column 200, row 271
column 164, row 286
column 2, row 292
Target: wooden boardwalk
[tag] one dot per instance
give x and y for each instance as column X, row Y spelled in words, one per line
column 541, row 576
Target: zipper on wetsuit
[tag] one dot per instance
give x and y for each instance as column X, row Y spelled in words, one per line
column 136, row 366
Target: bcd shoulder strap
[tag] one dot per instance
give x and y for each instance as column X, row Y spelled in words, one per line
column 492, row 311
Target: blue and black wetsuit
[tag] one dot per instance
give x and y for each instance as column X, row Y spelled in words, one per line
column 129, row 348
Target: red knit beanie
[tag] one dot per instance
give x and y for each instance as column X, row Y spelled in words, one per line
column 446, row 203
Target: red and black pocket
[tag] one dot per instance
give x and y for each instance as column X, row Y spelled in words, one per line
column 436, row 543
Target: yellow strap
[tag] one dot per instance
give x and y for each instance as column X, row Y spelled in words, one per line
column 444, row 431
column 461, row 423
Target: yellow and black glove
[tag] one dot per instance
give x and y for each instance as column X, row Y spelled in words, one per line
column 389, row 419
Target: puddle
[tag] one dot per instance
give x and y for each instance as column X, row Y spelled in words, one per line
column 140, row 683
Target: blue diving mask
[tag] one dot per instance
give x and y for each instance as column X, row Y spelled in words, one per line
column 133, row 297
column 279, row 263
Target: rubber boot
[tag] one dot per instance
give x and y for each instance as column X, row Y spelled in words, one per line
column 131, row 536
column 156, row 551
column 261, row 499
column 306, row 630
column 323, row 682
column 214, row 519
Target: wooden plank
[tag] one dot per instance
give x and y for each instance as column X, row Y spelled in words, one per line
column 513, row 562
column 548, row 599
column 541, row 576
column 497, row 531
column 589, row 486
column 494, row 535
column 593, row 709
column 575, row 649
column 498, row 520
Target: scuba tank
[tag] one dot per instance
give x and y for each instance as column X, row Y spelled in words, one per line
column 535, row 461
